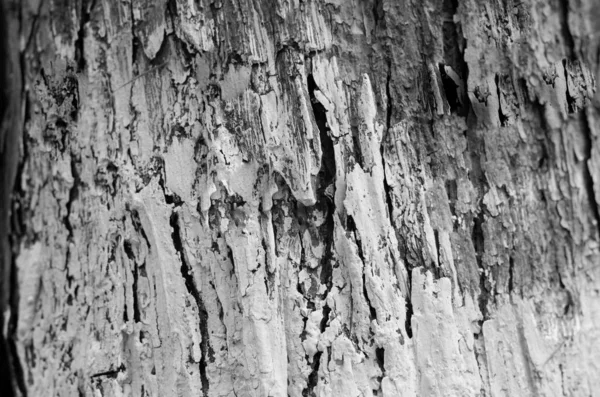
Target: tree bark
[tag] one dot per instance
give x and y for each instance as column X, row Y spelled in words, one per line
column 300, row 198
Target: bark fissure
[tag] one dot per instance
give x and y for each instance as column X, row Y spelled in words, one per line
column 73, row 196
column 380, row 359
column 511, row 275
column 501, row 116
column 378, row 13
column 190, row 284
column 451, row 89
column 85, row 16
column 437, row 270
column 566, row 29
column 313, row 377
column 137, row 225
column 134, row 284
column 326, row 182
column 14, row 206
column 113, row 373
column 325, row 193
column 588, row 172
column 388, row 195
column 388, row 94
column 454, row 71
column 14, row 359
column 478, row 243
column 384, row 141
column 409, row 311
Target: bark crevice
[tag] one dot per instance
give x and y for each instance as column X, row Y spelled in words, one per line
column 478, row 238
column 588, row 172
column 190, row 284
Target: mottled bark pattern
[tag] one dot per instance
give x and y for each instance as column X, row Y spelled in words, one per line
column 308, row 198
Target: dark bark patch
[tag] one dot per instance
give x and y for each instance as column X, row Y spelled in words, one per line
column 588, row 179
column 112, row 374
column 477, row 235
column 84, row 18
column 313, row 377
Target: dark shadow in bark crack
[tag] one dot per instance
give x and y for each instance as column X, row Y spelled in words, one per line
column 190, row 284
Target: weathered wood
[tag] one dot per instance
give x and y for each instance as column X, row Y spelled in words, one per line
column 306, row 198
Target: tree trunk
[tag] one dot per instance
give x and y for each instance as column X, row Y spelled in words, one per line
column 300, row 198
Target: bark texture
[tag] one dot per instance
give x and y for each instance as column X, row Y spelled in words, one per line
column 304, row 198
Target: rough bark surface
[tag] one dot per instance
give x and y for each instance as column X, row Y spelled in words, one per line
column 302, row 198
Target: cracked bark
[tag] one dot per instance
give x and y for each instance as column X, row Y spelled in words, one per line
column 305, row 198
